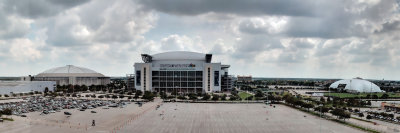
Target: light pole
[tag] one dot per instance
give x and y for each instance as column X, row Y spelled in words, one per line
column 370, row 95
column 320, row 116
column 175, row 92
column 267, row 97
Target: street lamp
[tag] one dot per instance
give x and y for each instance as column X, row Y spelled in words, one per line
column 320, row 115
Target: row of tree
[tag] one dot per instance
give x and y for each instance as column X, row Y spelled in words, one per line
column 299, row 102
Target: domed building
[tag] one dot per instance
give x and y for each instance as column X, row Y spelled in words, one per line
column 73, row 75
column 355, row 85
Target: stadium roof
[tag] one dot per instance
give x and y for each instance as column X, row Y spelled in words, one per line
column 69, row 70
column 179, row 55
column 355, row 85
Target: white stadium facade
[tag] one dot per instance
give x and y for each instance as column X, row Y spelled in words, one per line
column 71, row 75
column 355, row 85
column 185, row 72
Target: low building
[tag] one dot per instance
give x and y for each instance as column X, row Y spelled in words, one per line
column 226, row 79
column 244, row 78
column 130, row 82
column 392, row 106
column 14, row 87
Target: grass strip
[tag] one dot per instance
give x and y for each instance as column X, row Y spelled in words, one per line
column 8, row 119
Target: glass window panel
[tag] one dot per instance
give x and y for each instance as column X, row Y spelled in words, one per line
column 199, row 73
column 184, row 73
column 183, row 84
column 199, row 84
column 191, row 73
column 155, row 73
column 163, row 73
column 177, row 73
column 170, row 73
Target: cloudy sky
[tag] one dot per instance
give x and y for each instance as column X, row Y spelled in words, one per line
column 263, row 38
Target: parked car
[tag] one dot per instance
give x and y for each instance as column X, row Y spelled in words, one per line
column 67, row 113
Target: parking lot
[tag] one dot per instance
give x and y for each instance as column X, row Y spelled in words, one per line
column 169, row 117
column 107, row 117
column 379, row 114
column 230, row 118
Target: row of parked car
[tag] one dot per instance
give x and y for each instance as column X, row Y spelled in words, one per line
column 53, row 105
column 384, row 116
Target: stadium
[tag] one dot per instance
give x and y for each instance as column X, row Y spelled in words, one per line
column 185, row 72
column 70, row 74
column 355, row 85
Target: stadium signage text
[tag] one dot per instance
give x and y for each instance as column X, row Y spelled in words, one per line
column 177, row 65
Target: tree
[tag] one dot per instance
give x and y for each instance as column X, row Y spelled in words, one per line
column 163, row 95
column 137, row 94
column 298, row 103
column 385, row 96
column 322, row 99
column 92, row 88
column 391, row 115
column 192, row 96
column 114, row 97
column 308, row 106
column 46, row 90
column 121, row 96
column 148, row 96
column 259, row 94
column 360, row 114
column 375, row 96
column 215, row 97
column 249, row 98
column 340, row 113
column 174, row 92
column 181, row 97
column 206, row 97
column 223, row 97
column 84, row 88
column 233, row 98
column 321, row 109
column 6, row 111
column 369, row 117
